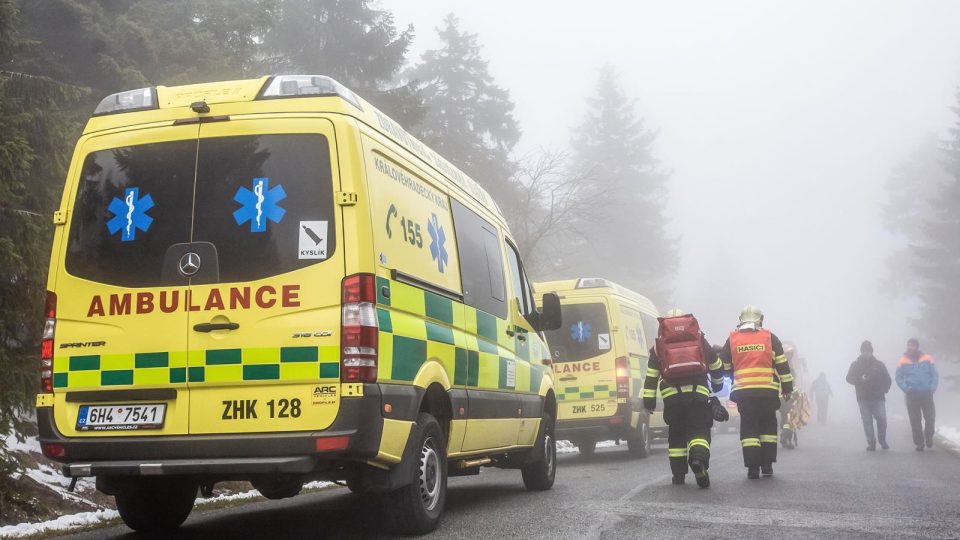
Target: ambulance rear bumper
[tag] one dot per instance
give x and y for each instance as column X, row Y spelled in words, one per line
column 353, row 436
column 599, row 428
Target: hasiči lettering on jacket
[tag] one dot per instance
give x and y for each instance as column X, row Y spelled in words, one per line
column 232, row 298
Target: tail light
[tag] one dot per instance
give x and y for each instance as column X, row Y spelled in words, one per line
column 731, row 405
column 53, row 450
column 359, row 329
column 46, row 343
column 623, row 377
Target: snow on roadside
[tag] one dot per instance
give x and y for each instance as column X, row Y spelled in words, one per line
column 30, row 444
column 950, row 434
column 87, row 519
column 62, row 523
column 567, row 447
column 46, row 475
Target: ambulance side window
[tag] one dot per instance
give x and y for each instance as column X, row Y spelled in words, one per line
column 481, row 262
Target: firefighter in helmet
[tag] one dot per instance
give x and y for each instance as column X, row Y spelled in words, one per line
column 678, row 365
column 760, row 375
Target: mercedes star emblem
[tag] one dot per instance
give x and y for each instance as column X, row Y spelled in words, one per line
column 189, row 264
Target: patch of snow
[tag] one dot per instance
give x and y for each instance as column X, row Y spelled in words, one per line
column 31, row 444
column 567, row 447
column 84, row 519
column 62, row 523
column 950, row 434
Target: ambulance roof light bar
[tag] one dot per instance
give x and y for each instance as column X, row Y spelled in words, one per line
column 590, row 283
column 141, row 99
column 287, row 86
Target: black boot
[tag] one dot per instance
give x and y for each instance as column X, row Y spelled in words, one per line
column 700, row 473
column 767, row 470
column 679, row 480
column 753, row 473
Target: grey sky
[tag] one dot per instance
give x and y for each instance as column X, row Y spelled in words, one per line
column 780, row 120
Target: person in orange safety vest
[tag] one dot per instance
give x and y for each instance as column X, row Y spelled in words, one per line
column 755, row 357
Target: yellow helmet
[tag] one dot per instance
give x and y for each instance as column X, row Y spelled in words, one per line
column 751, row 314
column 675, row 312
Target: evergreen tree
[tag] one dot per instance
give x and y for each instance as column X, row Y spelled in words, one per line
column 34, row 151
column 351, row 41
column 125, row 44
column 936, row 257
column 910, row 190
column 469, row 118
column 624, row 238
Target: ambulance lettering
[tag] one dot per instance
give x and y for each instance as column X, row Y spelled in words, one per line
column 142, row 303
column 576, row 367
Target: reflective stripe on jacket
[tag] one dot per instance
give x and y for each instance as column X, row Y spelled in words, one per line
column 917, row 376
column 751, row 354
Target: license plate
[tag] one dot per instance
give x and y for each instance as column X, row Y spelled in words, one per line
column 121, row 417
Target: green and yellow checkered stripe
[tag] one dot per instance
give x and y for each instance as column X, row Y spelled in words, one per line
column 473, row 346
column 210, row 366
column 574, row 393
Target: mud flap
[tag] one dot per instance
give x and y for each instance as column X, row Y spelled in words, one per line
column 377, row 480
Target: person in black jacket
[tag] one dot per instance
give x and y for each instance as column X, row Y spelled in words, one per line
column 687, row 409
column 872, row 381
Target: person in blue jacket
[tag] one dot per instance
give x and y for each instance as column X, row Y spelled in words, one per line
column 918, row 378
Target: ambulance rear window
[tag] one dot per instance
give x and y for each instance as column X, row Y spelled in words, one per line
column 261, row 205
column 132, row 204
column 265, row 202
column 585, row 333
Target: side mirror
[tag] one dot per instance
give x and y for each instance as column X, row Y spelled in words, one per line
column 550, row 317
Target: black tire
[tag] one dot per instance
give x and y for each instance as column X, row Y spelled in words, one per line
column 156, row 504
column 416, row 508
column 586, row 447
column 639, row 445
column 540, row 474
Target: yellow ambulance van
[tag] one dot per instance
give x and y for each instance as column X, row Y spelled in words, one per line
column 270, row 280
column 599, row 361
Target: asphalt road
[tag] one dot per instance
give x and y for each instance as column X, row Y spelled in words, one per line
column 829, row 487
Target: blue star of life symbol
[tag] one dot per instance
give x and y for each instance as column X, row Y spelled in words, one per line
column 259, row 205
column 580, row 332
column 438, row 238
column 130, row 214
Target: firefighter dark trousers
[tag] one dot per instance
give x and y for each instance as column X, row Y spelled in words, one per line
column 758, row 429
column 689, row 418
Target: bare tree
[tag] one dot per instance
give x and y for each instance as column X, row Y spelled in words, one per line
column 554, row 201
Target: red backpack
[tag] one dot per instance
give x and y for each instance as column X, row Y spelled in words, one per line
column 679, row 348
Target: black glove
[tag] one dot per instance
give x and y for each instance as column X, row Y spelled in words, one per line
column 650, row 404
column 720, row 413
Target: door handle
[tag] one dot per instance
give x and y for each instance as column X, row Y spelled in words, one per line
column 510, row 332
column 521, row 336
column 568, row 378
column 210, row 327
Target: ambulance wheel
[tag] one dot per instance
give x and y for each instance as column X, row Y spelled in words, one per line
column 156, row 504
column 586, row 447
column 416, row 507
column 539, row 474
column 639, row 445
